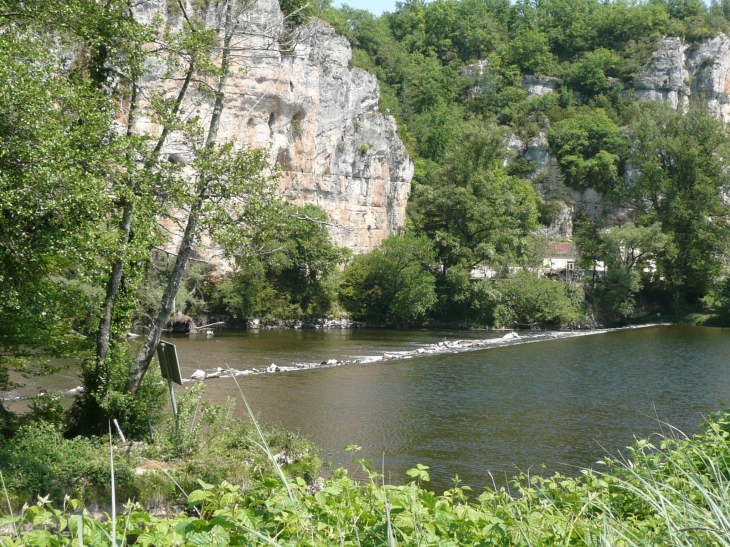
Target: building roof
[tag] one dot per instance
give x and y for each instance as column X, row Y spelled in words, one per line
column 563, row 248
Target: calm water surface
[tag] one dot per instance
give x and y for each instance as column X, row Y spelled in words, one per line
column 561, row 404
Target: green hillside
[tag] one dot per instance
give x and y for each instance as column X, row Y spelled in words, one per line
column 457, row 74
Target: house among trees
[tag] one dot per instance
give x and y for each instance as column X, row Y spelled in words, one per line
column 560, row 260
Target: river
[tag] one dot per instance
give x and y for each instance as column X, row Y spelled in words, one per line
column 554, row 405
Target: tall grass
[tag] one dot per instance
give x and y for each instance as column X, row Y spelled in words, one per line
column 264, row 445
column 683, row 483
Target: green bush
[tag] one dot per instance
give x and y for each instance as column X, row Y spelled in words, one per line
column 465, row 300
column 294, row 276
column 591, row 150
column 207, row 442
column 104, row 398
column 526, row 300
column 391, row 285
column 39, row 461
column 550, row 211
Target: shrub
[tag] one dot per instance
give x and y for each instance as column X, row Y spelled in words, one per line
column 296, row 128
column 529, row 301
column 391, row 285
column 297, row 277
column 39, row 461
column 206, row 443
column 104, row 398
column 672, row 492
column 550, row 211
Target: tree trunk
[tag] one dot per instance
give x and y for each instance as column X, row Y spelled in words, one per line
column 112, row 289
column 115, row 277
column 147, row 351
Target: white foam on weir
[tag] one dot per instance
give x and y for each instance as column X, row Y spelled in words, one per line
column 512, row 338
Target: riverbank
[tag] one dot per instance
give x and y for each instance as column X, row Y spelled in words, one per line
column 203, row 443
column 692, row 319
column 671, row 492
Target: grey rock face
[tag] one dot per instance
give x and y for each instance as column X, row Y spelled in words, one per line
column 536, row 151
column 539, row 85
column 295, row 94
column 477, row 70
column 665, row 78
column 588, row 200
column 678, row 72
column 594, row 204
column 533, row 85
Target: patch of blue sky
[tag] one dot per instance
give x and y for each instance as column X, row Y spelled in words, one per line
column 376, row 7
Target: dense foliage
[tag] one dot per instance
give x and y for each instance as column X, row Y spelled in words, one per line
column 207, row 442
column 86, row 203
column 456, row 75
column 391, row 285
column 294, row 274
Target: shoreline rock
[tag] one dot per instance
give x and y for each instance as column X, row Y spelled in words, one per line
column 254, row 323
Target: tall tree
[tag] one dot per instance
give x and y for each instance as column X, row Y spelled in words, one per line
column 591, row 150
column 228, row 193
column 57, row 155
column 474, row 211
column 682, row 164
column 391, row 285
column 629, row 255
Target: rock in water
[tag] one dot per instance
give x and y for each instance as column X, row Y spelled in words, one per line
column 181, row 324
column 198, row 375
column 272, row 368
column 253, row 323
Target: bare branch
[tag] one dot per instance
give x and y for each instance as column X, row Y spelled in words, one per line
column 185, row 15
column 170, row 253
column 316, row 221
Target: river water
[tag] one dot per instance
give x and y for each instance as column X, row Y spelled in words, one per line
column 559, row 403
column 555, row 405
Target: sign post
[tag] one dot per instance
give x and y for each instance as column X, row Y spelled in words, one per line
column 169, row 368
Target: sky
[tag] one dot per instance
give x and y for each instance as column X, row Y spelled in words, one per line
column 376, row 7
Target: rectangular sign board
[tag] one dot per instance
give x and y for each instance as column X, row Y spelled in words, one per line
column 169, row 366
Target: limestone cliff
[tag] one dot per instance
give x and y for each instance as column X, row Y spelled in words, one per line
column 587, row 200
column 679, row 71
column 294, row 93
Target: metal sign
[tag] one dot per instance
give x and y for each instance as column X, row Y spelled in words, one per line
column 169, row 366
